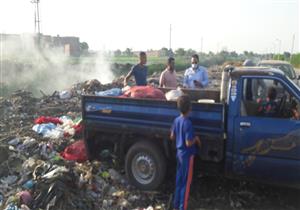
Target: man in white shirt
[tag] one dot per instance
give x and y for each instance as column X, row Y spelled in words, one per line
column 196, row 76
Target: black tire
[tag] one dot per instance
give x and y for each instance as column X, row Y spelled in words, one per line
column 152, row 156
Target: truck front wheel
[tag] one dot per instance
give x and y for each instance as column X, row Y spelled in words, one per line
column 145, row 165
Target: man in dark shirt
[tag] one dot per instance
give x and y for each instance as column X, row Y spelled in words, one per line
column 139, row 71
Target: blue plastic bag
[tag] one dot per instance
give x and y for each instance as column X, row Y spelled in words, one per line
column 111, row 92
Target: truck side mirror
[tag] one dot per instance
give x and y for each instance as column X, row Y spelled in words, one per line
column 298, row 78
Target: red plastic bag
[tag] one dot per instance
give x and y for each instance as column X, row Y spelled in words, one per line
column 78, row 129
column 44, row 119
column 75, row 151
column 145, row 92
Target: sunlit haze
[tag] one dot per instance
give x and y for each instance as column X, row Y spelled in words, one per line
column 254, row 25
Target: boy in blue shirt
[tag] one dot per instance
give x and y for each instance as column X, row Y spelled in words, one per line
column 182, row 131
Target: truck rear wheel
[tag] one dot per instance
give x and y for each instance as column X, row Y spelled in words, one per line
column 145, row 165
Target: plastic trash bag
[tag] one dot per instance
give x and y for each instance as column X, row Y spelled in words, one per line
column 25, row 197
column 144, row 92
column 111, row 92
column 75, row 152
column 54, row 133
column 65, row 94
column 44, row 119
column 28, row 185
column 173, row 95
column 43, row 128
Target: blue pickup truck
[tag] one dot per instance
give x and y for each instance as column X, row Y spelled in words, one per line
column 238, row 141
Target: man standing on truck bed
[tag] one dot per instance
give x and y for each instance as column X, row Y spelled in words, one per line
column 139, row 71
column 168, row 76
column 182, row 131
column 196, row 76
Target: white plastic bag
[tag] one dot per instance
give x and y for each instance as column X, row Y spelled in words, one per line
column 173, row 95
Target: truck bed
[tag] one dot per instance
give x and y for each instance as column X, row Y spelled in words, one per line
column 154, row 117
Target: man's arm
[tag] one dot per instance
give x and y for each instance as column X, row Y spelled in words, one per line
column 195, row 140
column 189, row 135
column 130, row 73
column 172, row 134
column 162, row 80
column 204, row 81
column 190, row 143
column 185, row 80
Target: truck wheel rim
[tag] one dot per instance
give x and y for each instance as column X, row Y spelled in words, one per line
column 143, row 168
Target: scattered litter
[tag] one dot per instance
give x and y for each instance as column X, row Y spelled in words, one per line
column 25, row 197
column 9, row 180
column 28, row 185
column 65, row 94
column 14, row 142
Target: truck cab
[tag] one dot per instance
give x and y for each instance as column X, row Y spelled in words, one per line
column 264, row 147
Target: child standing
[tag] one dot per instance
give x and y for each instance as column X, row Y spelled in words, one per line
column 182, row 131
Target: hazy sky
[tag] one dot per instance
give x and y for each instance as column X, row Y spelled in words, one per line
column 253, row 25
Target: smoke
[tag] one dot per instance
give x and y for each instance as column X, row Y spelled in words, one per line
column 26, row 66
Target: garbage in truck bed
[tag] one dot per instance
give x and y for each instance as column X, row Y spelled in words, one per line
column 144, row 92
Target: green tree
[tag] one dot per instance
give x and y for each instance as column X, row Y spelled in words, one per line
column 84, row 47
column 180, row 52
column 163, row 52
column 278, row 57
column 295, row 60
column 117, row 52
column 233, row 54
column 287, row 55
column 210, row 54
column 190, row 52
column 246, row 53
column 224, row 54
column 128, row 52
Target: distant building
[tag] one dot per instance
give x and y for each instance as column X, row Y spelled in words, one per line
column 70, row 46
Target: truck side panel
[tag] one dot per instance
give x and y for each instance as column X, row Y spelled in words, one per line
column 154, row 117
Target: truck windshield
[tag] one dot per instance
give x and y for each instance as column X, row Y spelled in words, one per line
column 296, row 86
column 288, row 70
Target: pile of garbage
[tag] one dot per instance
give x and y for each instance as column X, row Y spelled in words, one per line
column 43, row 161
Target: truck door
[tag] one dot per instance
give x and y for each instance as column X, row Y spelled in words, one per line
column 267, row 129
